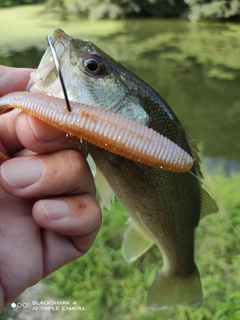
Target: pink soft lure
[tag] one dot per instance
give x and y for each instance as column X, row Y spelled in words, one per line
column 104, row 129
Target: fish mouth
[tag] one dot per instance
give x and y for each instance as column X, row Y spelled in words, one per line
column 46, row 73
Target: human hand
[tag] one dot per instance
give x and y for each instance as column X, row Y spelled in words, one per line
column 48, row 212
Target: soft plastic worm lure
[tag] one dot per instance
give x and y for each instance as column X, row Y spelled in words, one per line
column 104, row 129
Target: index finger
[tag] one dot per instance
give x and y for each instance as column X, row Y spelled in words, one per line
column 13, row 79
column 24, row 131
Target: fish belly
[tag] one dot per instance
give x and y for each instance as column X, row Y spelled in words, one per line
column 164, row 208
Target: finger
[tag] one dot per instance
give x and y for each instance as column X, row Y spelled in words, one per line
column 18, row 131
column 71, row 216
column 8, row 135
column 39, row 136
column 78, row 217
column 60, row 250
column 17, row 227
column 13, row 79
column 62, row 172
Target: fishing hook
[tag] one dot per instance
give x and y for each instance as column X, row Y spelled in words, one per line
column 57, row 64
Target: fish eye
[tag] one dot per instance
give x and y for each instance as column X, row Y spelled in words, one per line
column 94, row 64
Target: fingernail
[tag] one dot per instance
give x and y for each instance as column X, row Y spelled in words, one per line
column 21, row 173
column 55, row 209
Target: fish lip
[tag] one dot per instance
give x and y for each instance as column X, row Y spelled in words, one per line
column 61, row 42
column 39, row 77
column 59, row 36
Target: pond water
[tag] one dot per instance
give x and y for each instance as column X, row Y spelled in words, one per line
column 194, row 67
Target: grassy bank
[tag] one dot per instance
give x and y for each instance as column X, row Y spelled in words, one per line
column 109, row 288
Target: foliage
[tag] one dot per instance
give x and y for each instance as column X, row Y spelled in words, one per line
column 115, row 9
column 4, row 314
column 216, row 9
column 120, row 9
column 10, row 3
column 110, row 288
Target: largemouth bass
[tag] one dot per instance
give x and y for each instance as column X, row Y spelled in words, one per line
column 164, row 206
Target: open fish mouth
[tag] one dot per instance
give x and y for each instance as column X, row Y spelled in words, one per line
column 46, row 74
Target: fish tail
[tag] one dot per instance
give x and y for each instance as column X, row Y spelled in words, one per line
column 171, row 290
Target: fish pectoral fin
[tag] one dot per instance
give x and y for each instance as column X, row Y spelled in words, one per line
column 208, row 204
column 135, row 243
column 170, row 290
column 92, row 165
column 105, row 191
column 103, row 188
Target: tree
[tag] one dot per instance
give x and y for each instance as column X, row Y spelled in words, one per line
column 216, row 9
column 10, row 3
column 115, row 9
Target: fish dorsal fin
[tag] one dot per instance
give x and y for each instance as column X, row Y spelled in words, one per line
column 105, row 191
column 208, row 204
column 135, row 243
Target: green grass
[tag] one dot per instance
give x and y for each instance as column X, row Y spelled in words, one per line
column 110, row 288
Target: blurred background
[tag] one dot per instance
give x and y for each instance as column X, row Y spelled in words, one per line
column 189, row 52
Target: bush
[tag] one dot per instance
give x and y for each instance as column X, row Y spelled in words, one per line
column 115, row 9
column 215, row 9
column 10, row 3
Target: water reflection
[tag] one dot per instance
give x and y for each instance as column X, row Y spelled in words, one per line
column 28, row 58
column 229, row 167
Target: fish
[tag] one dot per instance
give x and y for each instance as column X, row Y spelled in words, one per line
column 164, row 205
